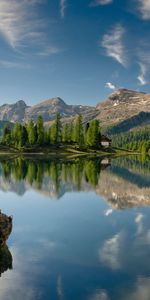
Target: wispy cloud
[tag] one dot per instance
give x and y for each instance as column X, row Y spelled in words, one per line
column 100, row 2
column 63, row 5
column 143, row 56
column 18, row 21
column 113, row 44
column 50, row 51
column 144, row 9
column 14, row 64
column 141, row 77
column 110, row 86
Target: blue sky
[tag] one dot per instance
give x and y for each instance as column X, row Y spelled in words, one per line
column 80, row 50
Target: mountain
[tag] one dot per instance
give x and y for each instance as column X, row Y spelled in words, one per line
column 123, row 110
column 47, row 109
column 124, row 106
column 13, row 112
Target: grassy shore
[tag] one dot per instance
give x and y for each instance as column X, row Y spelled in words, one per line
column 61, row 151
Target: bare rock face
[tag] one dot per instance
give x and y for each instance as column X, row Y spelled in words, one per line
column 13, row 112
column 47, row 109
column 5, row 228
column 122, row 105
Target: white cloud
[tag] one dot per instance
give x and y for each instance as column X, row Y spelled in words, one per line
column 113, row 44
column 141, row 77
column 63, row 5
column 101, row 2
column 19, row 22
column 144, row 9
column 110, row 86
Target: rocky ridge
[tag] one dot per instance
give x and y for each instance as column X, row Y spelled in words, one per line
column 121, row 106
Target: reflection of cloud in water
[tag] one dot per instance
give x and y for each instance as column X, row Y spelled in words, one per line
column 108, row 212
column 109, row 254
column 60, row 291
column 141, row 290
column 138, row 220
column 99, row 295
column 13, row 285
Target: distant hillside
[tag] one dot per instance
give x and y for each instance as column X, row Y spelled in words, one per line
column 124, row 106
column 123, row 110
column 142, row 119
column 47, row 109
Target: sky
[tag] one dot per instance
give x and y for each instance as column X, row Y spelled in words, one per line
column 79, row 50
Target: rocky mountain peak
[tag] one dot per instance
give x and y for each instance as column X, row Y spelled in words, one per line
column 55, row 101
column 123, row 95
column 21, row 103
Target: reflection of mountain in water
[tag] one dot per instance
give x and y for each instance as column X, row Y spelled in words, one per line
column 126, row 183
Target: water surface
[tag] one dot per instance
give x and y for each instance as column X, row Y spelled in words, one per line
column 81, row 229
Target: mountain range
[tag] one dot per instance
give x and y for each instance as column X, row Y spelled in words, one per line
column 123, row 110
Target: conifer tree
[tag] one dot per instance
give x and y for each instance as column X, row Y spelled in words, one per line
column 56, row 130
column 31, row 129
column 78, row 131
column 40, row 130
column 93, row 134
column 6, row 138
column 65, row 133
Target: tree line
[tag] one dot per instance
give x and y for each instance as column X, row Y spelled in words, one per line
column 136, row 140
column 34, row 134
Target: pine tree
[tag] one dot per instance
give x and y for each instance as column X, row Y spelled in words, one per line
column 31, row 130
column 6, row 138
column 65, row 133
column 40, row 131
column 78, row 131
column 56, row 130
column 17, row 135
column 93, row 134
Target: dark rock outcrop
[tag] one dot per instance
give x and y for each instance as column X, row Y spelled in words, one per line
column 5, row 228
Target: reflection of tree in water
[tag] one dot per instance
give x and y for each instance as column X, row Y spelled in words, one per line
column 74, row 172
column 92, row 171
column 5, row 259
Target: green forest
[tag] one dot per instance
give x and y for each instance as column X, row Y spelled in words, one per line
column 135, row 140
column 35, row 134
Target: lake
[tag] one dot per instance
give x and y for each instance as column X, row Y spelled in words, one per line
column 81, row 229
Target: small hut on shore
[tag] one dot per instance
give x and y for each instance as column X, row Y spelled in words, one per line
column 105, row 141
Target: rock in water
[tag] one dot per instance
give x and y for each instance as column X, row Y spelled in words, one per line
column 5, row 228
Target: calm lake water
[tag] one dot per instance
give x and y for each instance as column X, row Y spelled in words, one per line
column 81, row 229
